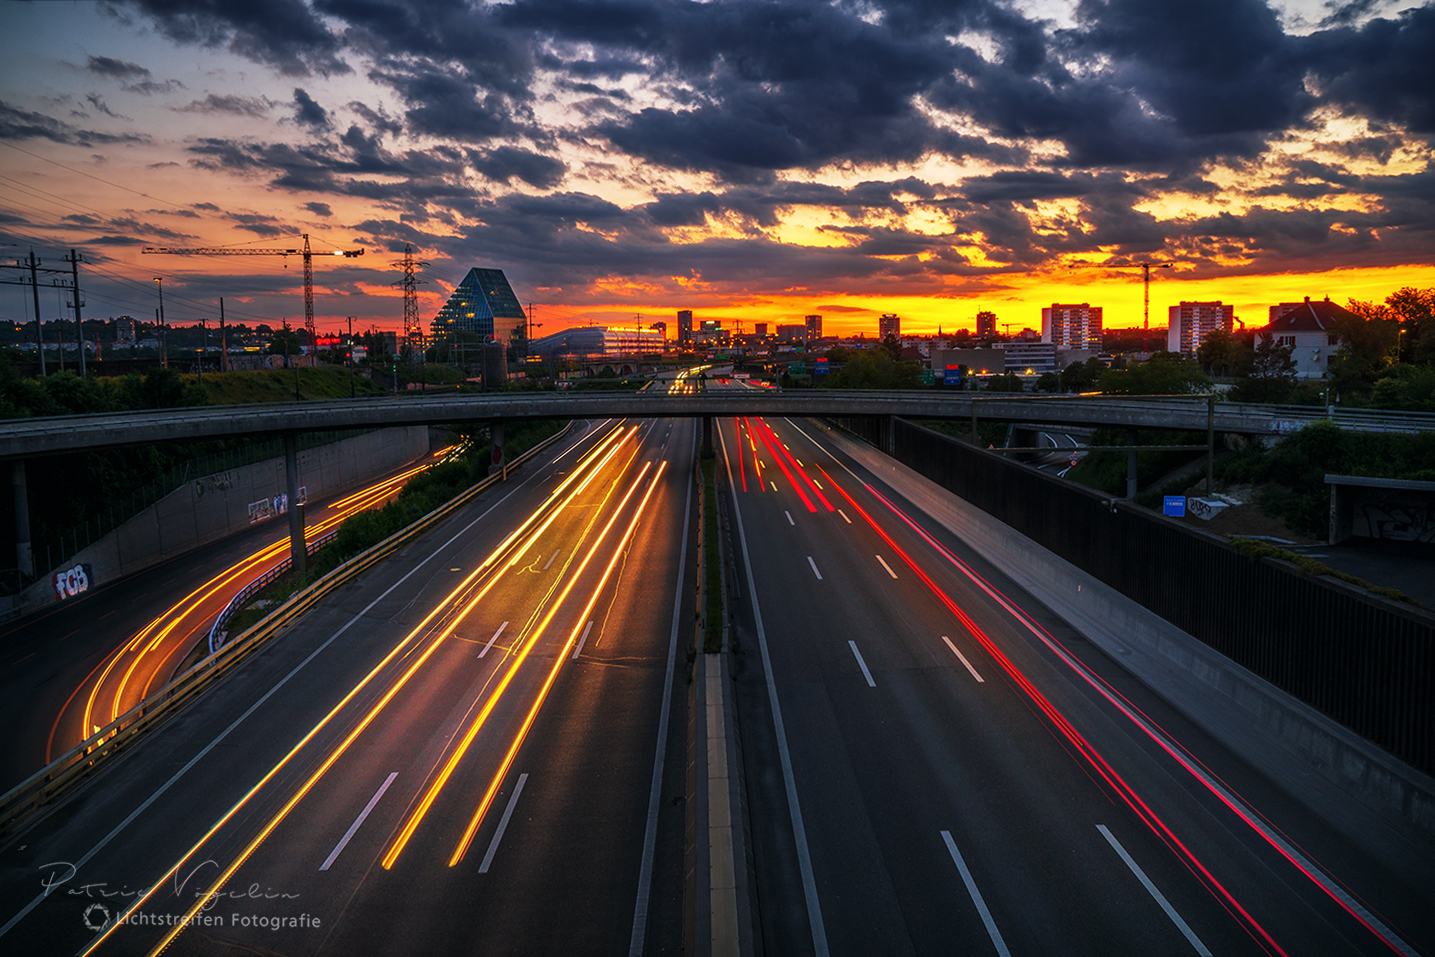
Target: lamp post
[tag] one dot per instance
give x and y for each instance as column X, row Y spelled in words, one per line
column 163, row 352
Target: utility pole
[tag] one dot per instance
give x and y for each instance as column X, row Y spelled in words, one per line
column 351, row 358
column 35, row 288
column 309, row 293
column 74, row 261
column 163, row 339
column 203, row 348
column 223, row 342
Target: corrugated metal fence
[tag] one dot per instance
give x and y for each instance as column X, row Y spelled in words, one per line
column 1367, row 663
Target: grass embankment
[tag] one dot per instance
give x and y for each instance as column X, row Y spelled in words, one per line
column 712, row 561
column 421, row 495
column 277, row 385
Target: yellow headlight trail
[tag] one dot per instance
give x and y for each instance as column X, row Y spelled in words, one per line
column 532, row 715
column 495, row 556
column 432, row 792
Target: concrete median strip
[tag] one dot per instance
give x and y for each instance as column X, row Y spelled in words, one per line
column 27, row 801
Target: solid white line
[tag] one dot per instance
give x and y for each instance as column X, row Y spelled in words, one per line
column 84, row 859
column 963, row 659
column 862, row 664
column 991, row 925
column 844, row 516
column 814, row 568
column 581, row 640
column 550, row 561
column 1160, row 898
column 503, row 824
column 650, row 831
column 353, row 828
column 794, row 810
column 493, row 639
column 886, row 566
column 789, row 517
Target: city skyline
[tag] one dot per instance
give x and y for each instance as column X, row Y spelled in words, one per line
column 651, row 157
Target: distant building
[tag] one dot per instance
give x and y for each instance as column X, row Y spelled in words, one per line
column 1072, row 326
column 1309, row 328
column 598, row 341
column 791, row 332
column 759, row 328
column 986, row 325
column 483, row 304
column 814, row 328
column 685, row 325
column 889, row 325
column 125, row 331
column 661, row 328
column 1191, row 322
column 1029, row 357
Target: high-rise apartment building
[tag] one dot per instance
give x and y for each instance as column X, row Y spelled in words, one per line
column 986, row 324
column 889, row 325
column 1075, row 326
column 685, row 325
column 814, row 327
column 1191, row 322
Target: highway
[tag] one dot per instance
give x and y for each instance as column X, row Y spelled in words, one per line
column 78, row 666
column 460, row 751
column 936, row 764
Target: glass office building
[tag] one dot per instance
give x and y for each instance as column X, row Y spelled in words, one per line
column 484, row 304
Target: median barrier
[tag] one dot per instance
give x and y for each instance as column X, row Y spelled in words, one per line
column 25, row 803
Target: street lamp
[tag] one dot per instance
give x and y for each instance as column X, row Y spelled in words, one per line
column 163, row 353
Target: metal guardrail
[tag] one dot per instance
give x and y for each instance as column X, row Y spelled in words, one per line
column 23, row 804
column 221, row 621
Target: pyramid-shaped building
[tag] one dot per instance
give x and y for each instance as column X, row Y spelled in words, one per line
column 484, row 304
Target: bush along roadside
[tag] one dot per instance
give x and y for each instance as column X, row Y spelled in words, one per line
column 421, row 495
column 1253, row 550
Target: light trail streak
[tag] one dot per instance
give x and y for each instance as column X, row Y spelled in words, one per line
column 486, row 803
column 395, row 654
column 796, row 465
column 796, row 485
column 431, row 793
column 1094, row 758
column 737, row 424
column 756, row 462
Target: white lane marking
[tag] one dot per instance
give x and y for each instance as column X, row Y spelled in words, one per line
column 503, row 824
column 353, row 828
column 789, row 517
column 814, row 568
column 577, row 650
column 886, row 566
column 774, row 486
column 85, row 858
column 789, row 783
column 1177, row 752
column 493, row 639
column 637, row 940
column 963, row 658
column 1160, row 898
column 844, row 516
column 991, row 925
column 862, row 664
column 550, row 561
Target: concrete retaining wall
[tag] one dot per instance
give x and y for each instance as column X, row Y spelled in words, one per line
column 1321, row 763
column 210, row 508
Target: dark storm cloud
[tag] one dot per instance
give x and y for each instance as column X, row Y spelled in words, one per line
column 232, row 103
column 319, row 209
column 507, row 163
column 285, row 34
column 17, row 124
column 307, row 112
column 1384, row 68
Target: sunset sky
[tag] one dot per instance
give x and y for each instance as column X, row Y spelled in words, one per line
column 747, row 160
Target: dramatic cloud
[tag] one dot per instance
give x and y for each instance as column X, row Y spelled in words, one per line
column 235, row 104
column 308, row 113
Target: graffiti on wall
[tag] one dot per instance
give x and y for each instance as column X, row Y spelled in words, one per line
column 1400, row 520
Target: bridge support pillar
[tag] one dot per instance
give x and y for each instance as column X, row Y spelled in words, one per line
column 297, row 552
column 497, row 458
column 1131, row 438
column 23, row 558
column 708, row 452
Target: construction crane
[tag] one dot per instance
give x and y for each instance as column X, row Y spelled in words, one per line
column 243, row 251
column 1145, row 268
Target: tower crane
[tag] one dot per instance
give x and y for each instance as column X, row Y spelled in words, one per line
column 1145, row 267
column 245, row 251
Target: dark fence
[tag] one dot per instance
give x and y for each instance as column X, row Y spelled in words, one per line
column 1365, row 662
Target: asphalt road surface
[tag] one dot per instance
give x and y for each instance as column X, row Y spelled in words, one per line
column 470, row 749
column 937, row 765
